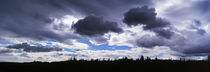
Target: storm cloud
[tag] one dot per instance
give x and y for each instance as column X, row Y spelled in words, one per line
column 147, row 16
column 31, row 19
column 27, row 19
column 92, row 26
column 182, row 25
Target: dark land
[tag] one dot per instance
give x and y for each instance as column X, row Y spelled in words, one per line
column 125, row 64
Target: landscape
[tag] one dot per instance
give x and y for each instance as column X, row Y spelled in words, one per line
column 124, row 64
column 105, row 35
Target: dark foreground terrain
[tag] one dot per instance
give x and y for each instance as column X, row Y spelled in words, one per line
column 127, row 65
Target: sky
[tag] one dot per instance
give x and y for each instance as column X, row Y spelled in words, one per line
column 57, row 30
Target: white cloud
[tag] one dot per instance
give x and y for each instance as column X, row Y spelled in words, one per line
column 160, row 52
column 70, row 44
column 128, row 37
column 73, row 44
column 63, row 25
column 99, row 40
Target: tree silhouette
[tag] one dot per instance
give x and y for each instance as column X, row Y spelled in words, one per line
column 208, row 57
column 142, row 58
column 148, row 58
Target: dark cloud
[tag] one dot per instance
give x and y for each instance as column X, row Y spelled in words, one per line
column 163, row 32
column 190, row 49
column 93, row 25
column 142, row 15
column 29, row 18
column 26, row 47
column 147, row 16
column 104, row 7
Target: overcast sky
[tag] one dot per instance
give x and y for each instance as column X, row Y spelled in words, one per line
column 56, row 30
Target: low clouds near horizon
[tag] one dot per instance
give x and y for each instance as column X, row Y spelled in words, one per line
column 174, row 28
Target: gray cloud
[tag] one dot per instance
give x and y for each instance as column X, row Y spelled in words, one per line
column 196, row 26
column 140, row 15
column 150, row 41
column 27, row 19
column 5, row 51
column 26, row 47
column 147, row 16
column 92, row 26
column 23, row 18
column 203, row 6
column 104, row 7
column 193, row 44
column 193, row 40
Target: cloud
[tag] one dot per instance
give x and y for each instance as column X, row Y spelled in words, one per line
column 150, row 41
column 185, row 31
column 203, row 6
column 33, row 19
column 190, row 18
column 196, row 26
column 140, row 15
column 27, row 48
column 191, row 44
column 5, row 51
column 188, row 31
column 128, row 37
column 104, row 7
column 147, row 16
column 163, row 53
column 27, row 19
column 93, row 26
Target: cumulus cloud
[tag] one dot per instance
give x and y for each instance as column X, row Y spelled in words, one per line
column 147, row 16
column 129, row 36
column 93, row 26
column 188, row 33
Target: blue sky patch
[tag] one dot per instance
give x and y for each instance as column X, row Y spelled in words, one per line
column 52, row 40
column 103, row 46
column 36, row 44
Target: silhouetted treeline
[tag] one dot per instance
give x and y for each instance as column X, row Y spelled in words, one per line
column 142, row 64
column 125, row 60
